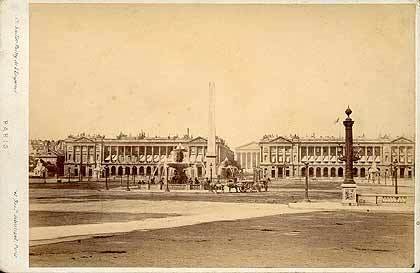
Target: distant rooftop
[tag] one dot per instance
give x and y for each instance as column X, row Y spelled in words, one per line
column 313, row 137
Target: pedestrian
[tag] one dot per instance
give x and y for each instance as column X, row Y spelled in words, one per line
column 196, row 181
column 266, row 184
column 207, row 184
column 161, row 183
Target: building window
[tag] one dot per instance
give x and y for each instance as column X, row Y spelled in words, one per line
column 333, row 151
column 394, row 150
column 325, row 172
column 378, row 151
column 303, row 151
column 355, row 172
column 362, row 172
column 325, row 150
column 148, row 170
column 318, row 151
column 340, row 172
column 369, row 151
column 310, row 151
column 273, row 158
column 333, row 172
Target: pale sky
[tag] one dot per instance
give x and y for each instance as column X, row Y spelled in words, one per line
column 280, row 69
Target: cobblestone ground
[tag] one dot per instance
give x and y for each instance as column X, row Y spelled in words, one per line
column 317, row 239
column 313, row 239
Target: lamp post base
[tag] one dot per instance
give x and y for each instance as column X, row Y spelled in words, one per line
column 349, row 194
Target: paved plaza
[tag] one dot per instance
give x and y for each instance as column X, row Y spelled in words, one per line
column 74, row 227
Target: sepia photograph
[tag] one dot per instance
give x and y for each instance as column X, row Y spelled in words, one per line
column 222, row 135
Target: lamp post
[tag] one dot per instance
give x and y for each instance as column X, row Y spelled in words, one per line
column 128, row 182
column 394, row 166
column 349, row 186
column 167, row 179
column 306, row 199
column 211, row 172
column 106, row 177
column 106, row 174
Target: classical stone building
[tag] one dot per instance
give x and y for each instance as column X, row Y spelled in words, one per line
column 50, row 153
column 143, row 156
column 282, row 157
column 248, row 156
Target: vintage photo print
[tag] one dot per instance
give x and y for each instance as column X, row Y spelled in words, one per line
column 219, row 136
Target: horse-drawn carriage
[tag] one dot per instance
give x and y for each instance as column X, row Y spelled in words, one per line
column 239, row 185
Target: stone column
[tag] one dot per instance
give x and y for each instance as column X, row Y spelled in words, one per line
column 124, row 155
column 348, row 186
column 211, row 140
column 118, row 153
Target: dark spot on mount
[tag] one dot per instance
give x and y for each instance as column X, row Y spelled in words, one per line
column 113, row 251
column 373, row 249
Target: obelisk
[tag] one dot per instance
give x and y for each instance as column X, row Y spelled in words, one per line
column 211, row 140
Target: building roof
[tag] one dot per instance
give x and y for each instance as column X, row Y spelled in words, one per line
column 333, row 139
column 253, row 145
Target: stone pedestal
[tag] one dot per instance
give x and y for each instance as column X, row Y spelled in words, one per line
column 349, row 194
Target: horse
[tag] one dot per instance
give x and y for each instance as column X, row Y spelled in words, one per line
column 232, row 185
column 215, row 186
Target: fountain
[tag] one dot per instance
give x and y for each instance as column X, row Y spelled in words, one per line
column 227, row 170
column 179, row 162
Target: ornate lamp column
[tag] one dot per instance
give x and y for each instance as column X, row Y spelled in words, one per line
column 167, row 179
column 349, row 186
column 306, row 199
